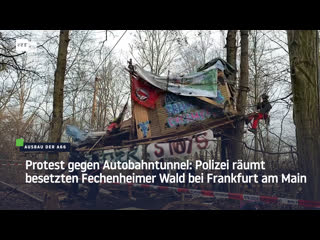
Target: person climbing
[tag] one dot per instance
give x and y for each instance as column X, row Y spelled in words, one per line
column 113, row 127
column 264, row 108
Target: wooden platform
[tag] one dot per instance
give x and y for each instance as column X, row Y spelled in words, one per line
column 226, row 122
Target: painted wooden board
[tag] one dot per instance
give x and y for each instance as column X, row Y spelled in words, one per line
column 142, row 121
column 118, row 154
column 153, row 117
column 225, row 91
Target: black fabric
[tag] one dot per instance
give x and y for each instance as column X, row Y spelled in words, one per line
column 228, row 68
column 264, row 106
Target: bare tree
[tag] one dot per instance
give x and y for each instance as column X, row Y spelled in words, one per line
column 155, row 49
column 232, row 52
column 304, row 65
column 228, row 145
column 196, row 50
column 56, row 123
column 113, row 91
column 268, row 64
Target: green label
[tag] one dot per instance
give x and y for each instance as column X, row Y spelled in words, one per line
column 19, row 142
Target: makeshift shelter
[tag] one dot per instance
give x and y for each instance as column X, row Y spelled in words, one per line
column 166, row 108
column 164, row 105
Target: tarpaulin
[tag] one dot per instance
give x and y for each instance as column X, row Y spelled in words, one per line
column 143, row 93
column 200, row 84
column 220, row 64
column 76, row 134
column 82, row 137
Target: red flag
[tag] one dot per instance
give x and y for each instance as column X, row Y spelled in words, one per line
column 143, row 93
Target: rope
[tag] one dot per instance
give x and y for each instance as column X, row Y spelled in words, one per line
column 244, row 143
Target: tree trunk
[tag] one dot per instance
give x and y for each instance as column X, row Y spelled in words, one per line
column 242, row 92
column 232, row 144
column 235, row 145
column 94, row 105
column 59, row 76
column 304, row 79
column 232, row 52
column 256, row 90
column 237, row 152
column 244, row 74
column 223, row 155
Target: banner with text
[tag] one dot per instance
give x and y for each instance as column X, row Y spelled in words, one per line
column 187, row 146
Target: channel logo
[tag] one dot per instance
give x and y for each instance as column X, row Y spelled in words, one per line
column 19, row 142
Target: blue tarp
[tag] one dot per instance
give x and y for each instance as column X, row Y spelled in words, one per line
column 76, row 134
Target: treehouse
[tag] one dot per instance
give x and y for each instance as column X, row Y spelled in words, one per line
column 174, row 107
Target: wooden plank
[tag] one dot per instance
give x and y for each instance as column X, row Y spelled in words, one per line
column 229, row 108
column 163, row 115
column 132, row 122
column 162, row 138
column 166, row 137
column 226, row 94
column 163, row 118
column 141, row 116
column 210, row 101
column 214, row 124
column 223, row 122
column 225, row 91
column 155, row 124
column 176, row 137
column 105, row 148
